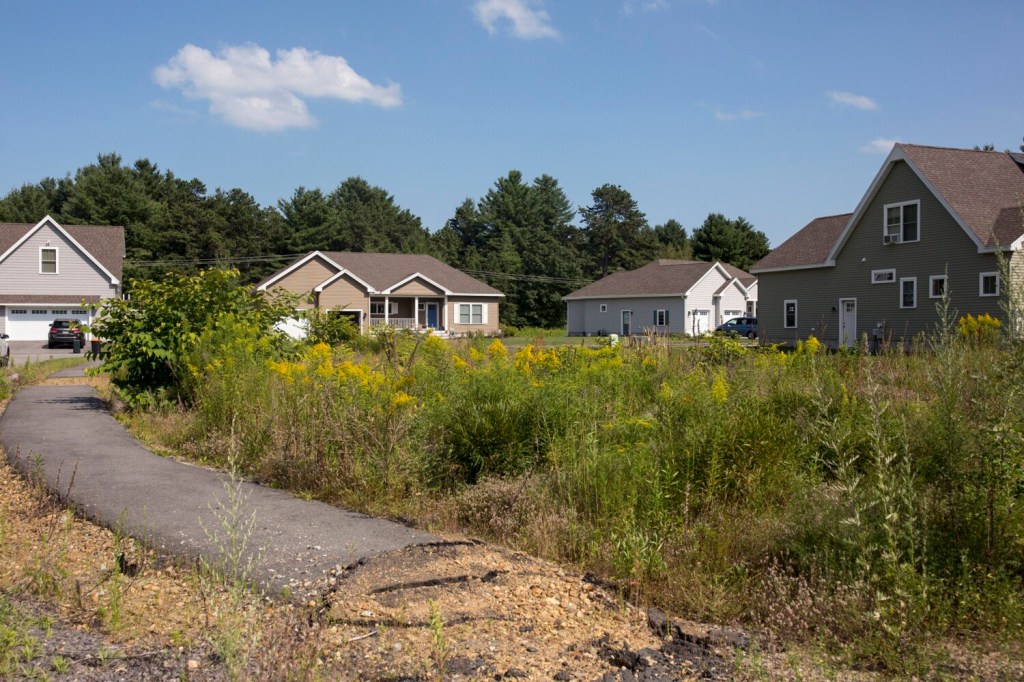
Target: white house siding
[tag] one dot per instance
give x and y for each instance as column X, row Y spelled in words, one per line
column 732, row 299
column 77, row 275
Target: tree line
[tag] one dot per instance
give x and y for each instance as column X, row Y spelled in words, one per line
column 522, row 237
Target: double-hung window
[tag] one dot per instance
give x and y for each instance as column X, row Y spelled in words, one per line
column 902, row 222
column 988, row 284
column 471, row 313
column 936, row 286
column 789, row 314
column 908, row 292
column 661, row 318
column 47, row 261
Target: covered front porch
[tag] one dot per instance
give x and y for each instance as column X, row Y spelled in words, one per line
column 409, row 312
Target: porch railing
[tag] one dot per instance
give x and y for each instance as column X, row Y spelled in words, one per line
column 396, row 322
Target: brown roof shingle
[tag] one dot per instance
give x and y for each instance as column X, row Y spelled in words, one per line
column 986, row 189
column 104, row 242
column 809, row 246
column 384, row 270
column 662, row 277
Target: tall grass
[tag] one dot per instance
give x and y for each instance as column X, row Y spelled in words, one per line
column 881, row 494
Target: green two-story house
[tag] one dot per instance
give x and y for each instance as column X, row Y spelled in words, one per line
column 930, row 226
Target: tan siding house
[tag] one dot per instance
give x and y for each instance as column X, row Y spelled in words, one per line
column 929, row 225
column 407, row 291
column 665, row 296
column 48, row 270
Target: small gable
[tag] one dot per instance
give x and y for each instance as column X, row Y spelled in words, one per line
column 344, row 292
column 306, row 276
column 417, row 287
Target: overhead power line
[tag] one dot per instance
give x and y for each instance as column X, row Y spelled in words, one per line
column 487, row 274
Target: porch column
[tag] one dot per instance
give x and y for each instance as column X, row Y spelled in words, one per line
column 416, row 312
column 387, row 308
column 445, row 316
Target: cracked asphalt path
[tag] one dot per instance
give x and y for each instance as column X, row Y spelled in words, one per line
column 66, row 435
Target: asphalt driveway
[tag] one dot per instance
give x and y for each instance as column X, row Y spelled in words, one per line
column 177, row 508
column 36, row 351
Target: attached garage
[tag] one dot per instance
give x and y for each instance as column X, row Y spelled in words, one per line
column 32, row 322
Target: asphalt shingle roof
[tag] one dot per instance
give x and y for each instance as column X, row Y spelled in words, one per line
column 663, row 277
column 809, row 246
column 384, row 270
column 985, row 189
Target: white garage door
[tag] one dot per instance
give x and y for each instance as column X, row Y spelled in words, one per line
column 32, row 323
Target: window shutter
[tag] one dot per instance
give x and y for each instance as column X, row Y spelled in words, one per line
column 666, row 317
column 655, row 318
column 483, row 312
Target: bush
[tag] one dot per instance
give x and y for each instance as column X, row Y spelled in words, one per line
column 148, row 334
column 331, row 327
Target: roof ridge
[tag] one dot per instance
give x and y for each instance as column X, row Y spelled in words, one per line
column 950, row 149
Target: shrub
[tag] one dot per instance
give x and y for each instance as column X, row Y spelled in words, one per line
column 331, row 327
column 148, row 333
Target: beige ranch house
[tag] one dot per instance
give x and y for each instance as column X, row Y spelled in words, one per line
column 405, row 291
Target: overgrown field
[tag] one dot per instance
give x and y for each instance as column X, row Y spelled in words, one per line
column 870, row 504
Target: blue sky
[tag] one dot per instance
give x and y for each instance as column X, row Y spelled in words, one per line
column 776, row 111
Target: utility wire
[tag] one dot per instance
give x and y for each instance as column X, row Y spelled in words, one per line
column 488, row 274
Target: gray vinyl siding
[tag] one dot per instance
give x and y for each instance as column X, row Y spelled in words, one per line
column 585, row 316
column 943, row 248
column 77, row 275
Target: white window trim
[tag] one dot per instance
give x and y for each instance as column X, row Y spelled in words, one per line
column 483, row 313
column 662, row 317
column 981, row 283
column 56, row 260
column 888, row 271
column 603, row 308
column 932, row 279
column 796, row 313
column 900, row 205
column 903, row 280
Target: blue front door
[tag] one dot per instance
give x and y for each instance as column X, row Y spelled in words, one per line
column 432, row 315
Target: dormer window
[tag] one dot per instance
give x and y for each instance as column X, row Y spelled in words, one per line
column 47, row 261
column 902, row 223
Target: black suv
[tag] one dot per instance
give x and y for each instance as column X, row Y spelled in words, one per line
column 65, row 330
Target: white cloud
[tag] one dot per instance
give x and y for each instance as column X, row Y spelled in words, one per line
column 879, row 145
column 249, row 89
column 529, row 20
column 631, row 6
column 848, row 99
column 744, row 115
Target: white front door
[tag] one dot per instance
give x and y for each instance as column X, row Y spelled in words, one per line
column 847, row 322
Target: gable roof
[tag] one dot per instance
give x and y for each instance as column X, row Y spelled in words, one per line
column 101, row 244
column 807, row 248
column 663, row 277
column 381, row 272
column 983, row 192
column 984, row 189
